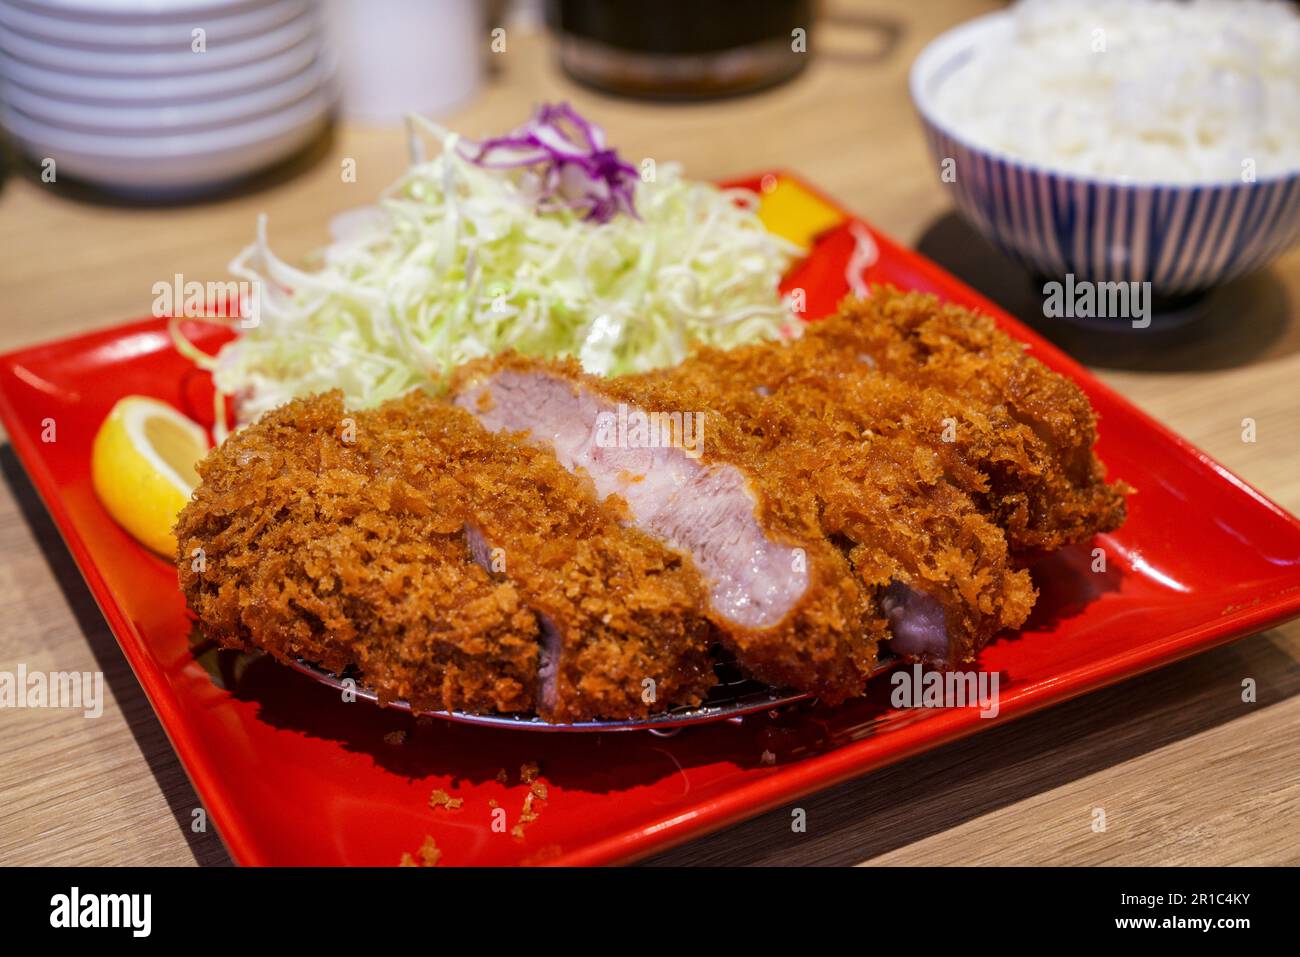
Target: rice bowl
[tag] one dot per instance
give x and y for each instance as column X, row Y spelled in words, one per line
column 1076, row 211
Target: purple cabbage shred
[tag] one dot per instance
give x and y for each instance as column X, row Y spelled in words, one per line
column 565, row 161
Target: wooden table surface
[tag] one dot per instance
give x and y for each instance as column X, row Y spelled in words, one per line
column 1186, row 773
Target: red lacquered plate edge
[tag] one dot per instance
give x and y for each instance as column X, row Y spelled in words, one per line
column 845, row 762
column 782, row 784
column 146, row 671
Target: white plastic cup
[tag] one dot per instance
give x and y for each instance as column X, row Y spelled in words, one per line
column 405, row 56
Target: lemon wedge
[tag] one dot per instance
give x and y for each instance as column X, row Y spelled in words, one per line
column 143, row 468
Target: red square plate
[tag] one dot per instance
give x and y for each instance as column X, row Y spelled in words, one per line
column 291, row 775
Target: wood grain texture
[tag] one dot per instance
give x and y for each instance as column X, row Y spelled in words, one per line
column 1184, row 771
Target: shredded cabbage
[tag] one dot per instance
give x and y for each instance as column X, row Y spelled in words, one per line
column 455, row 263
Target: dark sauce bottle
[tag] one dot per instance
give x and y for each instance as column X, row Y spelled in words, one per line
column 681, row 49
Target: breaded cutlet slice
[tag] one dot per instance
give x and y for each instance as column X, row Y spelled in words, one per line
column 984, row 462
column 1014, row 435
column 299, row 543
column 936, row 564
column 454, row 567
column 1056, row 493
column 784, row 599
column 621, row 615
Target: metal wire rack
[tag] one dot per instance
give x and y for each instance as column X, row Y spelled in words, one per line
column 734, row 696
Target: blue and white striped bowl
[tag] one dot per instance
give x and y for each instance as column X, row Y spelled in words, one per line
column 1180, row 237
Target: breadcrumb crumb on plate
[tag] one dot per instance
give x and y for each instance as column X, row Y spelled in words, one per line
column 429, row 855
column 440, row 798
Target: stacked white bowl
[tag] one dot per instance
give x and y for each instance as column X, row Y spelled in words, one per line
column 162, row 97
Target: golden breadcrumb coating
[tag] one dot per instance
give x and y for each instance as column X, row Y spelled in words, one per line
column 870, row 451
column 923, row 486
column 1048, row 487
column 873, row 492
column 310, row 549
column 826, row 644
column 1011, row 433
column 625, row 609
column 342, row 538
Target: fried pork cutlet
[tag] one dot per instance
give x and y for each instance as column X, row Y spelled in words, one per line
column 1048, row 488
column 784, row 598
column 1013, row 434
column 934, row 488
column 294, row 542
column 620, row 614
column 369, row 539
column 937, row 565
column 569, row 544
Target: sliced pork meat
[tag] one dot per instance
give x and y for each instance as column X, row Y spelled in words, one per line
column 1013, row 434
column 783, row 597
column 896, row 505
column 918, row 624
column 705, row 509
column 941, row 453
column 900, row 471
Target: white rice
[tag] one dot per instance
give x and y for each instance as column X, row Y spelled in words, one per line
column 1145, row 90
